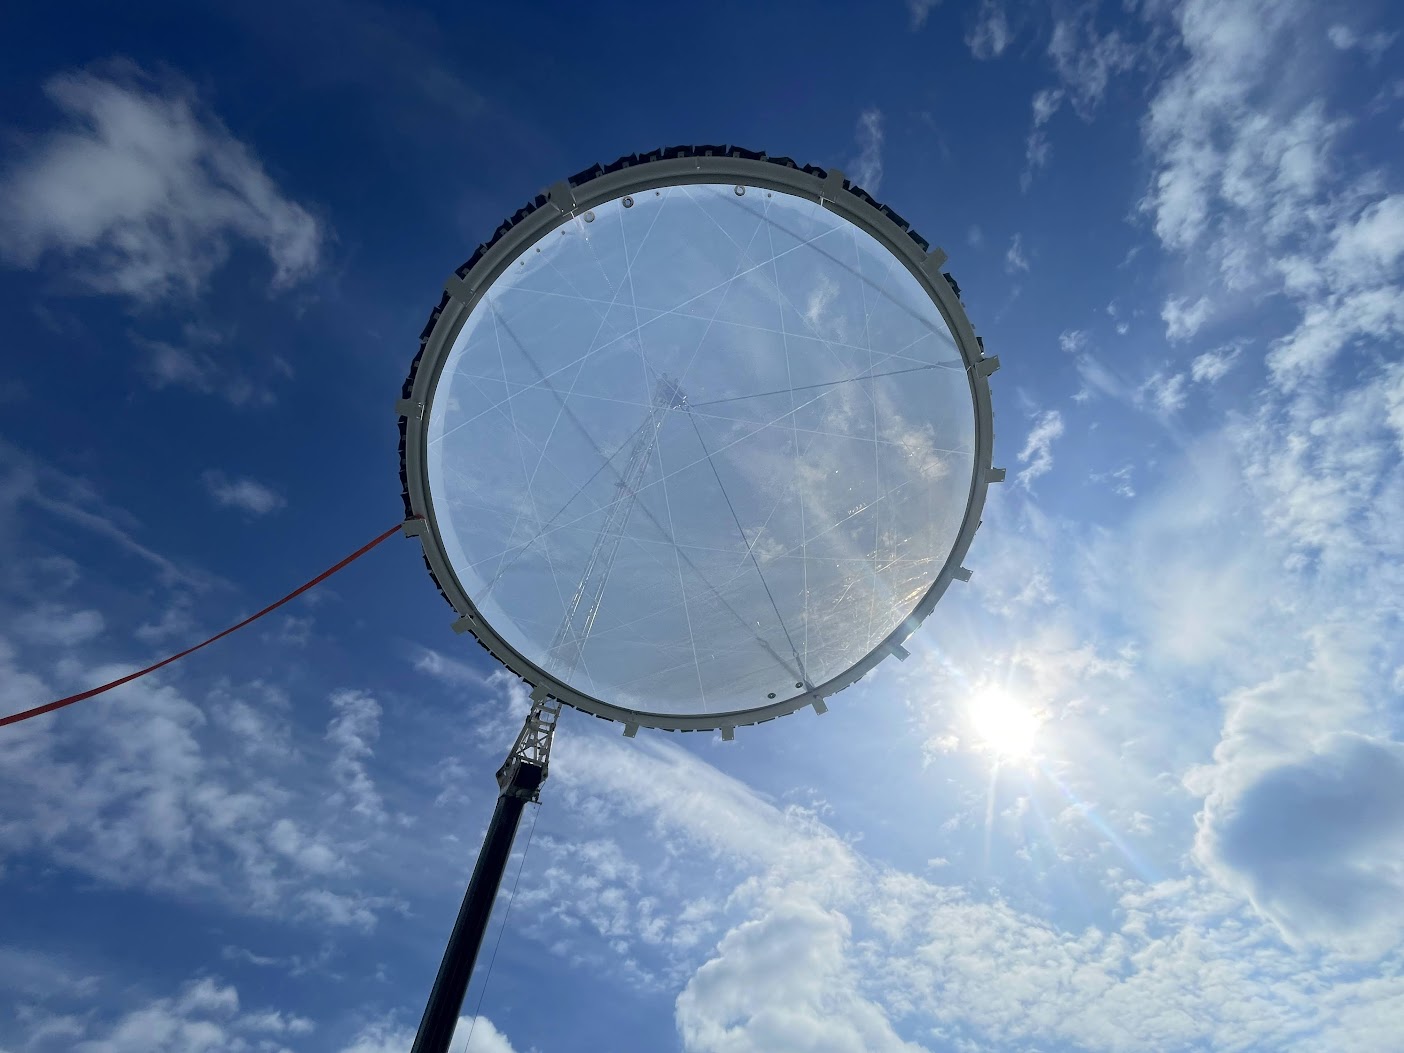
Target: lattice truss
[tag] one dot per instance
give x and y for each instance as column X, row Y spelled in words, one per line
column 701, row 447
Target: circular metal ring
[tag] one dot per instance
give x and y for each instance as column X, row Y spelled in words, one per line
column 636, row 174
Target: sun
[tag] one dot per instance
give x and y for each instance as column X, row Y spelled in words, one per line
column 1004, row 725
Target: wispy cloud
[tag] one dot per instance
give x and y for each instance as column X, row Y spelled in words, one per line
column 990, row 34
column 1038, row 447
column 24, row 480
column 352, row 732
column 1087, row 60
column 195, row 368
column 54, row 625
column 1375, row 44
column 1038, row 149
column 1015, row 261
column 451, row 671
column 143, row 194
column 867, row 166
column 1214, row 365
column 1073, row 341
column 919, row 11
column 247, row 495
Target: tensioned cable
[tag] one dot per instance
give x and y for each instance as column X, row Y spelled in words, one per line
column 750, row 548
column 15, row 718
column 828, row 384
column 580, row 426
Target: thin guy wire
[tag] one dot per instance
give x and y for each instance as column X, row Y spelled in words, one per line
column 750, row 550
column 651, row 517
column 621, row 336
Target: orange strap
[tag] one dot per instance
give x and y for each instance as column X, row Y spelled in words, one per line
column 15, row 718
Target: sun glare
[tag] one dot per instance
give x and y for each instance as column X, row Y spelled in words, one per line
column 1005, row 726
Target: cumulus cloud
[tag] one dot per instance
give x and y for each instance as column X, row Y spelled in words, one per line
column 388, row 1037
column 1318, row 843
column 143, row 195
column 784, row 981
column 247, row 495
column 867, row 166
column 1253, row 181
column 205, row 1017
column 152, row 792
column 831, row 950
column 1183, row 319
column 1038, row 447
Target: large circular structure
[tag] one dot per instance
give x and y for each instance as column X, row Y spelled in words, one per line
column 697, row 438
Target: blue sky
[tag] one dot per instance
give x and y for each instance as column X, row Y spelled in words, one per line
column 1180, row 227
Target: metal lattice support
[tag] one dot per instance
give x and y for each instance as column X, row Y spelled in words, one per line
column 569, row 641
column 532, row 750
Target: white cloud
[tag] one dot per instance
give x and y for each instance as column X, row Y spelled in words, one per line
column 165, row 365
column 1344, row 38
column 831, row 950
column 205, row 1017
column 27, row 481
column 56, row 626
column 450, row 671
column 817, row 304
column 1085, row 60
column 990, row 34
column 1073, row 341
column 352, row 731
column 387, row 1037
column 919, row 10
column 1014, row 259
column 1318, row 842
column 784, row 981
column 1183, row 319
column 1038, row 150
column 1045, row 105
column 152, row 792
column 1038, row 447
column 867, row 166
column 1213, row 366
column 1250, row 175
column 144, row 195
column 247, row 495
column 1165, row 393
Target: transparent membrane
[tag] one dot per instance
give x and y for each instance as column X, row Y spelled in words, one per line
column 698, row 449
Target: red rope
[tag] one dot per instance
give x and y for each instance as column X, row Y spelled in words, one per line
column 15, row 718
